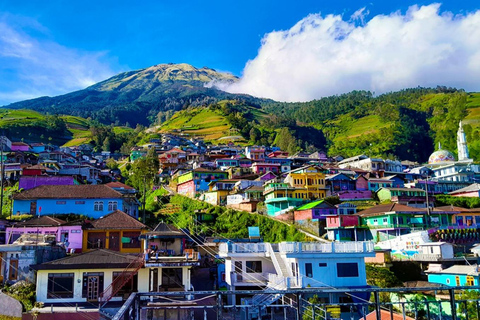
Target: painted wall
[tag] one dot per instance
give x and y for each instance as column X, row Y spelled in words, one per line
column 75, row 234
column 29, row 182
column 451, row 280
column 56, row 206
column 42, row 283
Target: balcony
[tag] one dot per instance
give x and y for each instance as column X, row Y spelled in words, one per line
column 334, row 247
column 242, row 248
column 165, row 258
column 299, row 247
column 239, row 279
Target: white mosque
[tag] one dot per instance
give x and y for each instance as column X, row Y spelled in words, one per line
column 446, row 168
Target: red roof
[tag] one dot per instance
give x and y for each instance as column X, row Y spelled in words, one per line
column 116, row 184
column 68, row 192
column 385, row 315
column 118, row 220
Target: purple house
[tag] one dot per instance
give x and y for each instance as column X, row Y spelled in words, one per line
column 69, row 234
column 20, row 146
column 30, row 182
column 267, row 176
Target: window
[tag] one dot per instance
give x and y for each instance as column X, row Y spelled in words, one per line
column 130, row 239
column 347, row 270
column 98, row 206
column 385, row 220
column 80, row 202
column 96, row 240
column 60, row 285
column 470, row 281
column 254, row 266
column 61, row 202
column 322, row 264
column 308, row 270
column 112, row 206
column 13, row 270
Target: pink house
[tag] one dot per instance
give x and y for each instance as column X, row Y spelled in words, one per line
column 341, row 220
column 20, row 146
column 68, row 233
column 361, row 183
column 263, row 167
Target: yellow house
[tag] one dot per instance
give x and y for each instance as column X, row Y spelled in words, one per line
column 311, row 179
column 116, row 231
column 218, row 191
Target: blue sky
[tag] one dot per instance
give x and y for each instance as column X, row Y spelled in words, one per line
column 54, row 47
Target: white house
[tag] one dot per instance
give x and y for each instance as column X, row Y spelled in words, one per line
column 290, row 265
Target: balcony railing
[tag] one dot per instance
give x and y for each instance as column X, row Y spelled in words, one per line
column 166, row 257
column 299, row 247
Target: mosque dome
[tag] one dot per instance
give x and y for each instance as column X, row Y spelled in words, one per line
column 441, row 156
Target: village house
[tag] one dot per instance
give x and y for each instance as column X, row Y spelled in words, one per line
column 218, row 191
column 290, row 265
column 194, row 182
column 255, row 153
column 407, row 196
column 69, row 234
column 456, row 275
column 93, row 201
column 316, row 212
column 17, row 258
column 116, row 231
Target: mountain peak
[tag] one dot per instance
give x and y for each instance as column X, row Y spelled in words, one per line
column 162, row 74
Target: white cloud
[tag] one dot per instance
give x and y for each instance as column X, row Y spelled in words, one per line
column 35, row 66
column 326, row 55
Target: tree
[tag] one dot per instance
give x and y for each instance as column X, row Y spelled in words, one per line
column 111, row 163
column 470, row 306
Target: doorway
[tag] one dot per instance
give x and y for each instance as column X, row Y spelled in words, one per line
column 114, row 241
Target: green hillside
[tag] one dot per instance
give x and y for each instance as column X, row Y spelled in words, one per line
column 217, row 121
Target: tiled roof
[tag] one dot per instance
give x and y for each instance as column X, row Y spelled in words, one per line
column 68, row 192
column 117, row 184
column 166, row 230
column 44, row 221
column 118, row 220
column 474, row 187
column 385, row 315
column 100, row 258
column 389, row 207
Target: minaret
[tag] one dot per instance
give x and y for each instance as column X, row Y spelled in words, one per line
column 462, row 144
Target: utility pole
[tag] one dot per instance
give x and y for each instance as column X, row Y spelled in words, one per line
column 144, row 195
column 2, row 166
column 428, row 205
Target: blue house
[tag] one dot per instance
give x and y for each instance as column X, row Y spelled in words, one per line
column 93, row 201
column 457, row 275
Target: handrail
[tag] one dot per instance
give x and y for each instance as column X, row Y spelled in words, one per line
column 121, row 280
column 276, row 263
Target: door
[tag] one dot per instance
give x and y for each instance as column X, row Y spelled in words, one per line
column 92, row 287
column 114, row 241
column 154, row 280
column 33, row 208
column 239, row 270
column 457, row 281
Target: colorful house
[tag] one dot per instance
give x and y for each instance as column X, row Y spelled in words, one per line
column 407, row 196
column 314, row 212
column 264, row 167
column 20, row 146
column 226, row 162
column 342, row 227
column 116, row 231
column 472, row 190
column 69, row 234
column 93, row 201
column 387, row 221
column 463, row 217
column 339, row 182
column 28, row 182
column 309, row 178
column 457, row 275
column 218, row 191
column 192, row 183
column 255, row 153
column 374, row 184
column 282, row 197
